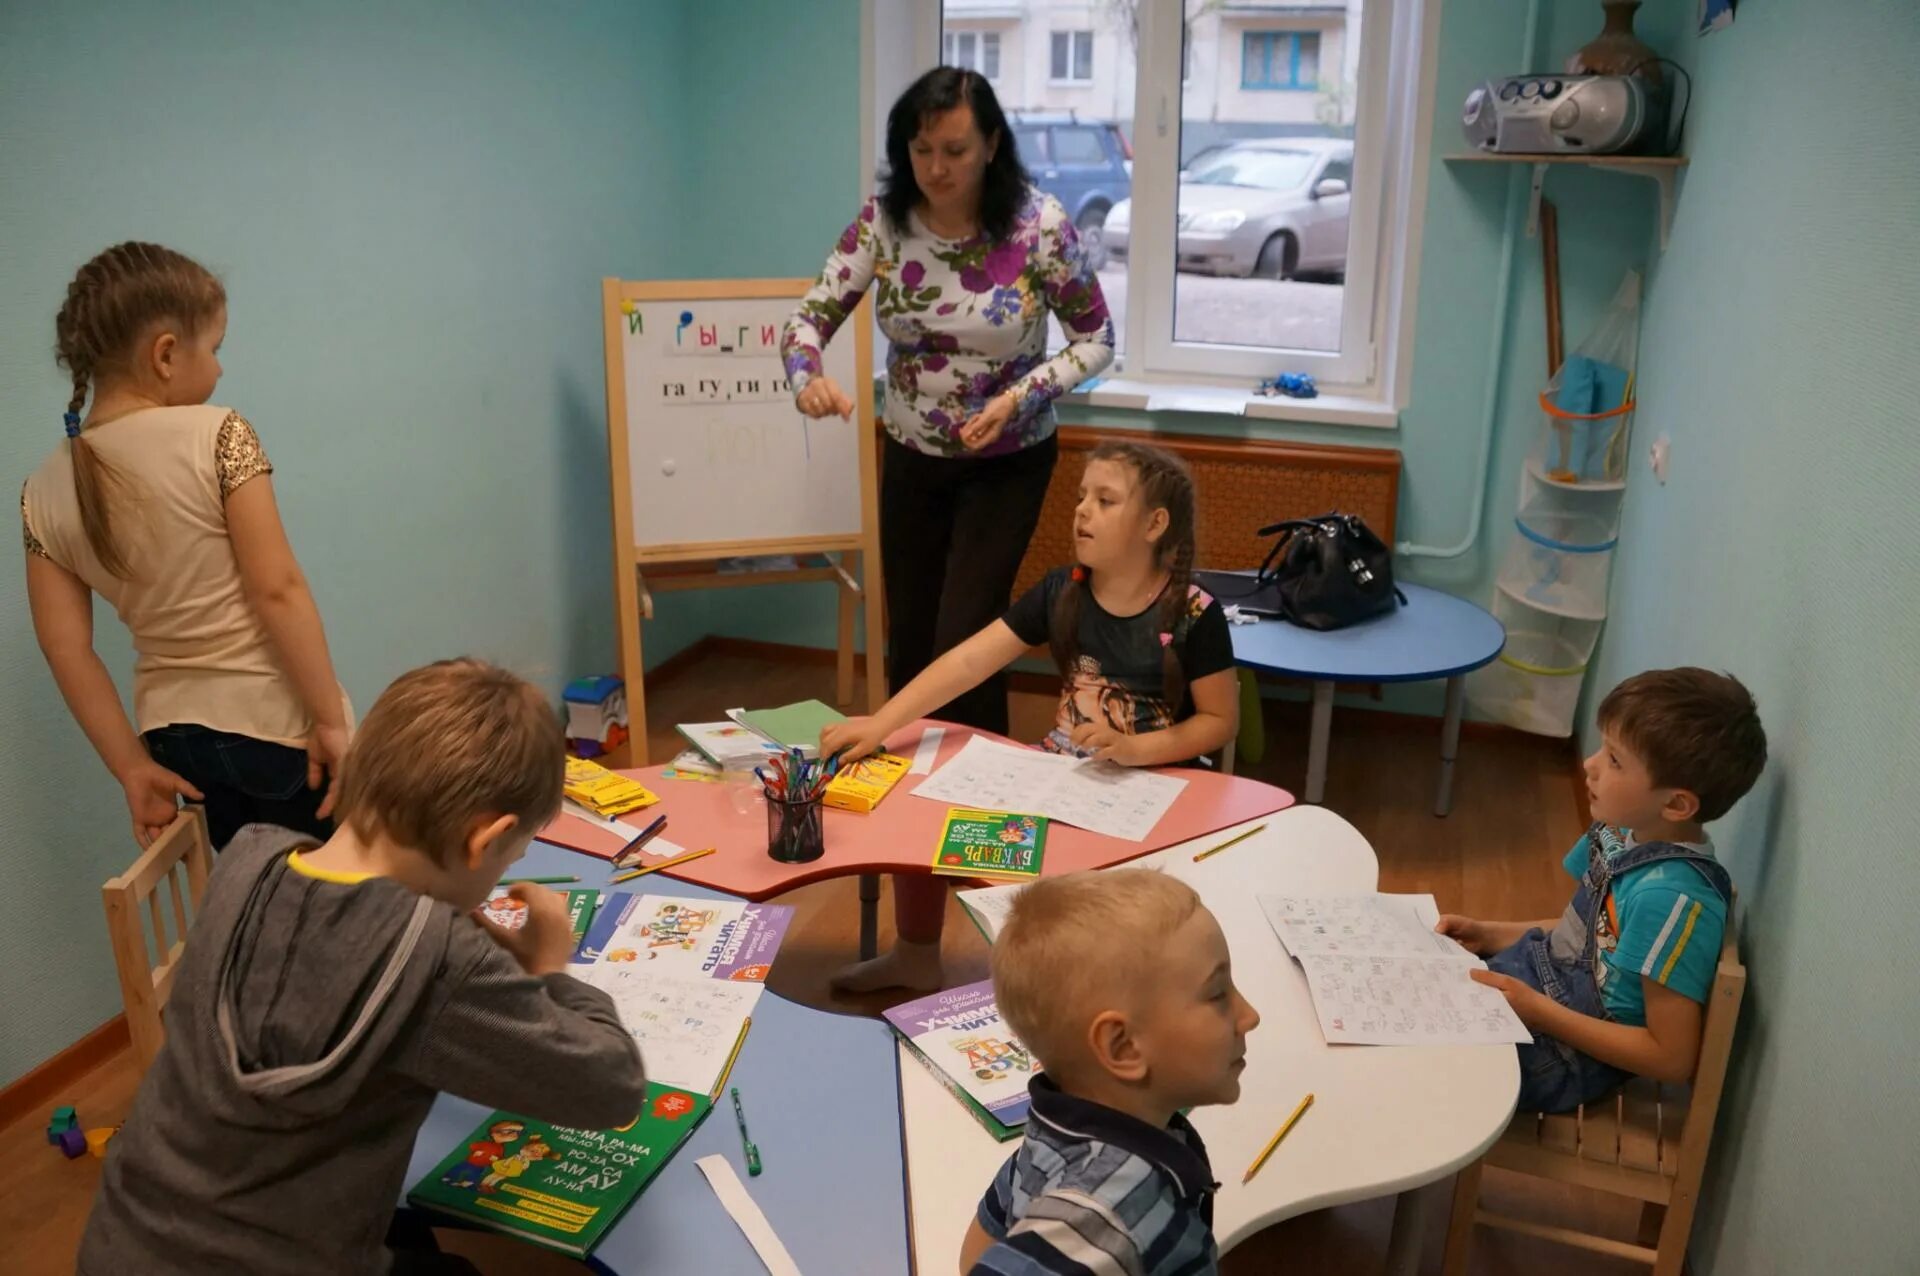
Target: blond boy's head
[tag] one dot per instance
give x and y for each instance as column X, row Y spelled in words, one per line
column 460, row 761
column 1121, row 982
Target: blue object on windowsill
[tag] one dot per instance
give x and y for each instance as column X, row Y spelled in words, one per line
column 1295, row 385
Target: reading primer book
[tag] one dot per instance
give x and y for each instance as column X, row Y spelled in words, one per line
column 959, row 1035
column 998, row 845
column 555, row 1186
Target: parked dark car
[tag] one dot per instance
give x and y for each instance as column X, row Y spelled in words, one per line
column 1085, row 164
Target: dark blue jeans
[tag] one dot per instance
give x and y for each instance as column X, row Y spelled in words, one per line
column 1554, row 1077
column 246, row 781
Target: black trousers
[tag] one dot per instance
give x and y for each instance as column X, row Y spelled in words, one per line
column 952, row 533
column 246, row 781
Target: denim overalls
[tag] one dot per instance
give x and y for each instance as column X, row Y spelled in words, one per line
column 1554, row 1077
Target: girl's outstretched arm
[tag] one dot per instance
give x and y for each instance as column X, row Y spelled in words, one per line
column 961, row 669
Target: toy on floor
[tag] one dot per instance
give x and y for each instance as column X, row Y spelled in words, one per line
column 64, row 1132
column 97, row 1139
column 596, row 715
column 1295, row 385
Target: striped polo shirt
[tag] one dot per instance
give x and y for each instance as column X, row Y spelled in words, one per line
column 1095, row 1192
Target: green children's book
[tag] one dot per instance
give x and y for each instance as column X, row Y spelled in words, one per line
column 554, row 1186
column 995, row 845
column 796, row 726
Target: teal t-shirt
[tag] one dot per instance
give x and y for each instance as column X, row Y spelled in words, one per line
column 1662, row 922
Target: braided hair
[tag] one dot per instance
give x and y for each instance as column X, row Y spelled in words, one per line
column 1167, row 484
column 111, row 302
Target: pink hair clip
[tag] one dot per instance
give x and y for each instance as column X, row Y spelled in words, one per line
column 1166, row 640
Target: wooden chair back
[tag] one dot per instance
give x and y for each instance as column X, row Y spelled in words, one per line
column 177, row 865
column 1647, row 1141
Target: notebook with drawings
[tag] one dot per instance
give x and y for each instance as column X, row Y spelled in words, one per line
column 1381, row 976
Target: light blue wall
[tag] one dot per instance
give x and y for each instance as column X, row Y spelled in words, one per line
column 412, row 207
column 1778, row 354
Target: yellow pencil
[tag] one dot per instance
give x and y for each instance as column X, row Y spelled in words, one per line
column 1275, row 1141
column 655, row 868
column 727, row 1071
column 1238, row 837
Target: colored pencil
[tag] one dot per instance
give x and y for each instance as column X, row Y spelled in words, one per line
column 537, row 881
column 732, row 1055
column 633, row 848
column 655, row 868
column 1258, row 828
column 1275, row 1141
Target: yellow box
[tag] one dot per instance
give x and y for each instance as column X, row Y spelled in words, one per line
column 866, row 782
column 605, row 792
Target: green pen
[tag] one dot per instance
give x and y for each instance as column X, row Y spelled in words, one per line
column 537, row 881
column 746, row 1140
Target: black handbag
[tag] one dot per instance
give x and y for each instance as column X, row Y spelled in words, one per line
column 1330, row 571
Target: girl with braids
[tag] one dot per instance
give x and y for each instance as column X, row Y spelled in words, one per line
column 1145, row 661
column 161, row 503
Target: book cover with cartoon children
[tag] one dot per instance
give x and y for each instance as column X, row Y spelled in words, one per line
column 959, row 1035
column 554, row 1186
column 687, row 938
column 996, row 845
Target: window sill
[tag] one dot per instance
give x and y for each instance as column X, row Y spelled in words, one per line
column 1069, row 84
column 1219, row 400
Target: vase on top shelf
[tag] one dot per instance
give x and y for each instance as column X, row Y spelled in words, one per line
column 1617, row 50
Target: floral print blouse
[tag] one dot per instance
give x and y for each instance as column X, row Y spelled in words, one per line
column 964, row 320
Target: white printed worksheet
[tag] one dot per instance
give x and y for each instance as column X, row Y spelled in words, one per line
column 1381, row 976
column 1098, row 796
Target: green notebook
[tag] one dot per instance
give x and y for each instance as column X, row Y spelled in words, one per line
column 554, row 1186
column 797, row 726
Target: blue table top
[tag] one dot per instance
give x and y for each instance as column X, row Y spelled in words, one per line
column 1436, row 635
column 822, row 1097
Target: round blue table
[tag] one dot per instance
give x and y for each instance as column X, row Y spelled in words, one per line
column 1434, row 636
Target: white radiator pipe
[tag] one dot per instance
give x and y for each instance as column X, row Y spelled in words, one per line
column 1518, row 190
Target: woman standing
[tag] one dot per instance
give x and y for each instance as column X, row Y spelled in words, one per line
column 967, row 260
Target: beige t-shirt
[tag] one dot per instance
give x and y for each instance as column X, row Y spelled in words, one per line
column 203, row 654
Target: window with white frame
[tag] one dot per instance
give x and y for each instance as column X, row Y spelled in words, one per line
column 1070, row 58
column 1254, row 209
column 972, row 51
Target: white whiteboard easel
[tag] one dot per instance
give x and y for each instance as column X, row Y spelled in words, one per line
column 711, row 460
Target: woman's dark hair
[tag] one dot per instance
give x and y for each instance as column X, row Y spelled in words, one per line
column 1003, row 186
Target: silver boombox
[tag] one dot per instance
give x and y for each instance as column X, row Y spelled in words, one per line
column 1566, row 114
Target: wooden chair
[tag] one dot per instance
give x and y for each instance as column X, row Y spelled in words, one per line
column 183, row 850
column 1646, row 1141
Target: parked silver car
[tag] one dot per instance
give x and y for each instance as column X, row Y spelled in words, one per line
column 1271, row 208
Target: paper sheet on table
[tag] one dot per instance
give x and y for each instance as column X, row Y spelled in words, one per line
column 1359, row 925
column 929, row 748
column 1407, row 1001
column 1380, row 976
column 1098, row 796
column 686, row 1029
column 745, row 1211
column 989, row 906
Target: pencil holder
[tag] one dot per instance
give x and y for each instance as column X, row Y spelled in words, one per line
column 795, row 832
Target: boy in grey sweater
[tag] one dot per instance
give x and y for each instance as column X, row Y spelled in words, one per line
column 329, row 993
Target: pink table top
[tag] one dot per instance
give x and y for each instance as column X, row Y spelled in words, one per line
column 900, row 834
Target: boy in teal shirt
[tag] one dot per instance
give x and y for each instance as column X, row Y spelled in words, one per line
column 1617, row 985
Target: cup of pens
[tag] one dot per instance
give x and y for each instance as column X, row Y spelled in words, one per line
column 794, row 785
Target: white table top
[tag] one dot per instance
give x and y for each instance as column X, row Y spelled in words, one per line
column 1384, row 1118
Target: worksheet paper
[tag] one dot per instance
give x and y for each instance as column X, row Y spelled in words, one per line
column 1381, row 976
column 990, row 906
column 686, row 1028
column 1113, row 800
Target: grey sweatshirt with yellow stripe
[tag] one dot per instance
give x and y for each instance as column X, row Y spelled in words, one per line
column 311, row 1026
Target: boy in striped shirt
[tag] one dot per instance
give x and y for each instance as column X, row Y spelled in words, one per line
column 1617, row 985
column 1121, row 983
